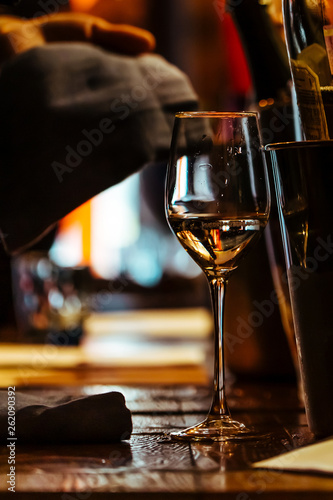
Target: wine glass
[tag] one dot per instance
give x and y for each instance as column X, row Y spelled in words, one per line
column 217, row 204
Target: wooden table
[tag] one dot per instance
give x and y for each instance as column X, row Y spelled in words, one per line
column 150, row 465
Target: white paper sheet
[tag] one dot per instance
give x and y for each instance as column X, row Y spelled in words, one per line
column 316, row 457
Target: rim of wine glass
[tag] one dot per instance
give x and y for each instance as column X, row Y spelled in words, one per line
column 298, row 144
column 216, row 114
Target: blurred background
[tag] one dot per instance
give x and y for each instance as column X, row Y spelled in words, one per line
column 97, row 279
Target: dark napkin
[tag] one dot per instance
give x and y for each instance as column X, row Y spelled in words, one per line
column 100, row 418
column 75, row 120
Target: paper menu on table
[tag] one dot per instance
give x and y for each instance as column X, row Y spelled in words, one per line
column 316, row 457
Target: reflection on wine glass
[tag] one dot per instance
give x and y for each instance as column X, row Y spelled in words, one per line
column 217, row 204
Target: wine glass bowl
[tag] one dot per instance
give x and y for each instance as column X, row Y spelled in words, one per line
column 217, row 204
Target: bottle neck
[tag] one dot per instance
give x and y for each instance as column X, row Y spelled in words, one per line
column 269, row 66
column 264, row 48
column 303, row 26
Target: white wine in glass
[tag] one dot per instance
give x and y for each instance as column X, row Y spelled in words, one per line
column 217, row 204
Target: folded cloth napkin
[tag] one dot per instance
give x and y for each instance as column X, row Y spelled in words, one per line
column 74, row 120
column 100, row 418
column 317, row 457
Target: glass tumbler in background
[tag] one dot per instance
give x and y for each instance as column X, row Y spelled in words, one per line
column 303, row 174
column 48, row 305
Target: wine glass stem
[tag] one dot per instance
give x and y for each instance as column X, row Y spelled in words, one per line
column 219, row 405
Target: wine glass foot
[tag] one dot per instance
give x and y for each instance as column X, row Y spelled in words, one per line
column 218, row 429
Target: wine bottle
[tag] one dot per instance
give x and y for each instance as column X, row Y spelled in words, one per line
column 262, row 272
column 309, row 39
column 267, row 57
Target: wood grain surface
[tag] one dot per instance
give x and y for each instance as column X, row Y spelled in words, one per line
column 152, row 465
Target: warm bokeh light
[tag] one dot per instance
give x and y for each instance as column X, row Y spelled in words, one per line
column 96, row 233
column 82, row 5
column 82, row 214
column 132, row 12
